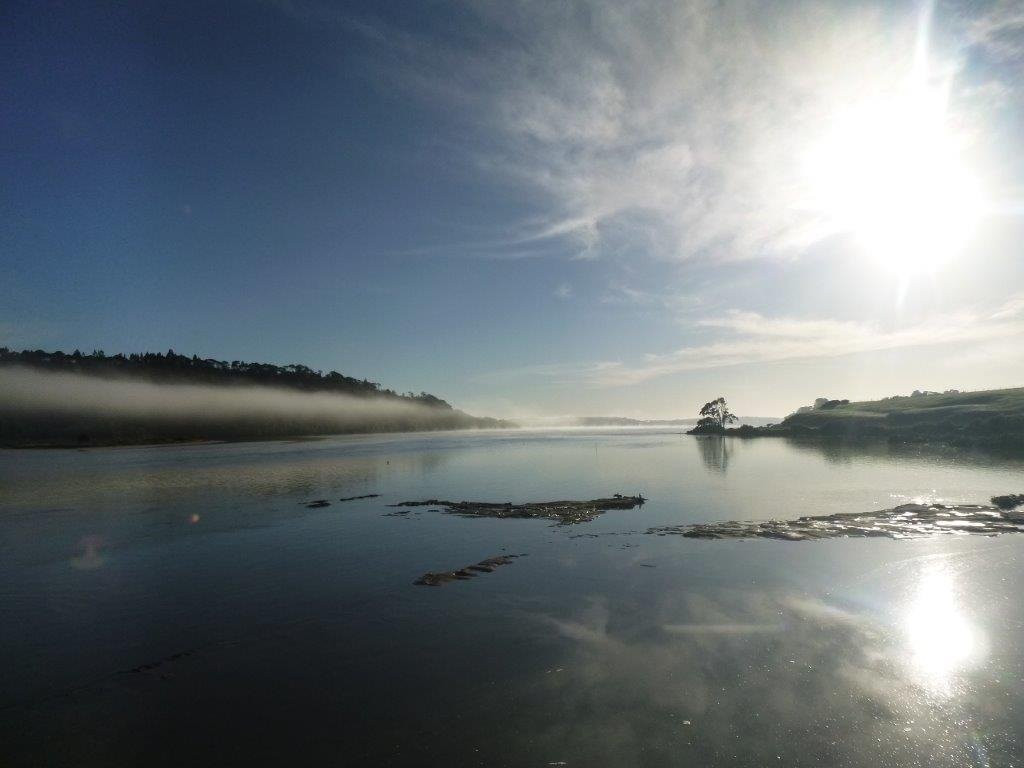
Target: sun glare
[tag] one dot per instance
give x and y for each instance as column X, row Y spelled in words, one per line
column 942, row 641
column 893, row 174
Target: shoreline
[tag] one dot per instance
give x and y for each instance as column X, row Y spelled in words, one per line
column 854, row 437
column 979, row 419
column 295, row 438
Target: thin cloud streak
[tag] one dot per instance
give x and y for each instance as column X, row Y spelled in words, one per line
column 755, row 339
column 623, row 295
column 767, row 340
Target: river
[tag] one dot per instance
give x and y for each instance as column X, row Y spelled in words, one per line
column 181, row 605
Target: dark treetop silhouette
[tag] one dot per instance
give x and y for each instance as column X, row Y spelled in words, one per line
column 173, row 368
column 714, row 417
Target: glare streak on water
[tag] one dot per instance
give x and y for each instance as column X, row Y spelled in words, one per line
column 182, row 602
column 941, row 638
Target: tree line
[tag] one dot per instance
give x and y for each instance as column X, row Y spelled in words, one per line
column 170, row 367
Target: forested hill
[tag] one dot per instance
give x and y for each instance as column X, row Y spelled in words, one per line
column 172, row 368
column 59, row 399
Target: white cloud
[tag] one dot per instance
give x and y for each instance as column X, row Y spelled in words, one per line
column 670, row 128
column 1000, row 32
column 751, row 338
column 622, row 294
column 674, row 128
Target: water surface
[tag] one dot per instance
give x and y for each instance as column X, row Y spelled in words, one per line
column 181, row 605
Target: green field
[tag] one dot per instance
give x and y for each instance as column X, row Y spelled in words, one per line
column 989, row 417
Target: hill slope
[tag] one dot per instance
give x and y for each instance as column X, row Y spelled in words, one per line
column 985, row 418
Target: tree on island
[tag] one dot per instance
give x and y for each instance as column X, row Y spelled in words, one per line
column 715, row 416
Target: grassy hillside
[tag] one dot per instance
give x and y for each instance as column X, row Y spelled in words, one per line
column 990, row 417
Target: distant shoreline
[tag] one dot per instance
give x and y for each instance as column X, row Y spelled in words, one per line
column 983, row 419
column 158, row 442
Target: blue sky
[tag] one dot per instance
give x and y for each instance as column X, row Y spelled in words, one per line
column 528, row 208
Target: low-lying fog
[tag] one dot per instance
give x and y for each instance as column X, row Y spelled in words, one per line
column 38, row 407
column 27, row 390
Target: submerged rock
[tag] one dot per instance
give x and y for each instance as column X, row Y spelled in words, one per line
column 565, row 512
column 437, row 578
column 1010, row 501
column 319, row 503
column 902, row 522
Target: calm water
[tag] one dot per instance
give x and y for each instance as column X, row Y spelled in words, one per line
column 181, row 606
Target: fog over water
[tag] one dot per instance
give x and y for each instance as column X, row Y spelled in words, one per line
column 35, row 396
column 58, row 408
column 34, row 391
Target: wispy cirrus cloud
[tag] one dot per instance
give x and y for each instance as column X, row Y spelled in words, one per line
column 668, row 128
column 746, row 338
column 999, row 33
column 625, row 295
column 672, row 128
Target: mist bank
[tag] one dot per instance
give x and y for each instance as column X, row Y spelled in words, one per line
column 56, row 408
column 172, row 368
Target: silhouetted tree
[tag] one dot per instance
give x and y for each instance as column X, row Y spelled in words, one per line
column 715, row 415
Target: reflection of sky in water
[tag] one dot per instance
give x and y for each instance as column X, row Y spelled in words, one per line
column 747, row 676
column 302, row 626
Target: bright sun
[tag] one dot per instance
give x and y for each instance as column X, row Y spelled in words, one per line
column 893, row 174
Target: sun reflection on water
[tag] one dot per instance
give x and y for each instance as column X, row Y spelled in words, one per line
column 942, row 640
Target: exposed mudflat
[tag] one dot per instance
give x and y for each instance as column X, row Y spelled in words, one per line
column 437, row 578
column 904, row 521
column 564, row 512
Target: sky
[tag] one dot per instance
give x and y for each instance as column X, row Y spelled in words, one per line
column 527, row 208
